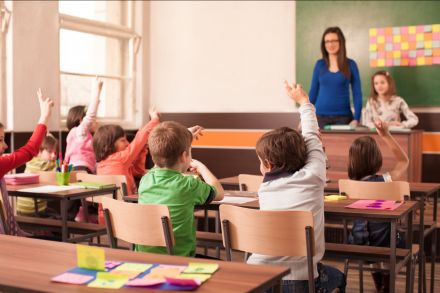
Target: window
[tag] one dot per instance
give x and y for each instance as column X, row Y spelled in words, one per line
column 97, row 39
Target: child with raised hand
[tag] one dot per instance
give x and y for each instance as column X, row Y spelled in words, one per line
column 293, row 166
column 364, row 162
column 19, row 157
column 116, row 156
column 383, row 103
column 81, row 122
column 170, row 148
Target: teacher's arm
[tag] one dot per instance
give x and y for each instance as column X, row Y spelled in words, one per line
column 357, row 92
column 314, row 87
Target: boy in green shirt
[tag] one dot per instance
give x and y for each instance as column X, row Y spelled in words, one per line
column 170, row 148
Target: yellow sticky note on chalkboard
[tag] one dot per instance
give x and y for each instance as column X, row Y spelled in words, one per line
column 92, row 258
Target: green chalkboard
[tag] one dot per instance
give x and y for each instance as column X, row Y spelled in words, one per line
column 418, row 85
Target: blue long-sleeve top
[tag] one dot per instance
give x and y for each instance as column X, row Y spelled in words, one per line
column 330, row 91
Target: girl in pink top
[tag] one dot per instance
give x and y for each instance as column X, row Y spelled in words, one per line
column 116, row 156
column 81, row 125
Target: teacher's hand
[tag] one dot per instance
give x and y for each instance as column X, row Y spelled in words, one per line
column 354, row 123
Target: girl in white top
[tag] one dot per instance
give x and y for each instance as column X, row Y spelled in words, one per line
column 383, row 103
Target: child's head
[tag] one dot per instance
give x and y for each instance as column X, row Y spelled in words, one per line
column 108, row 139
column 382, row 84
column 170, row 145
column 75, row 116
column 281, row 149
column 364, row 158
column 48, row 148
column 3, row 145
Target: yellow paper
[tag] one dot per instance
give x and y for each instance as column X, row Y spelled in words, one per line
column 108, row 280
column 436, row 28
column 131, row 266
column 428, row 44
column 412, row 29
column 420, row 60
column 380, row 62
column 419, row 37
column 89, row 257
column 334, row 197
column 161, row 273
column 201, row 268
column 372, row 32
column 373, row 47
column 396, row 54
column 128, row 274
column 404, row 46
column 397, row 39
column 380, row 39
column 201, row 277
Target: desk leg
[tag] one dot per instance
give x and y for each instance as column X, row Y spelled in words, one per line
column 434, row 243
column 393, row 257
column 63, row 210
column 409, row 264
column 422, row 285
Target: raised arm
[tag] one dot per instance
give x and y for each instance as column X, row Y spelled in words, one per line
column 209, row 178
column 31, row 148
column 400, row 155
column 83, row 128
column 357, row 92
column 411, row 118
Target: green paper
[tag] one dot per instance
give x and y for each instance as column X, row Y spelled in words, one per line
column 130, row 266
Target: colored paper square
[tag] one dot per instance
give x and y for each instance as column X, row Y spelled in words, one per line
column 404, row 62
column 389, row 39
column 436, row 52
column 404, row 54
column 396, row 46
column 412, row 29
column 396, row 30
column 373, row 40
column 412, row 62
column 396, row 54
column 389, row 54
column 404, row 46
column 201, row 268
column 436, row 44
column 436, row 60
column 420, row 60
column 373, row 55
column 373, row 48
column 427, row 28
column 404, row 38
column 404, row 30
column 381, row 54
column 108, row 280
column 436, row 28
column 130, row 266
column 420, row 45
column 373, row 63
column 420, row 28
column 412, row 54
column 396, row 62
column 388, row 47
column 389, row 62
column 412, row 45
column 372, row 32
column 420, row 37
column 381, row 39
column 381, row 47
column 428, row 60
column 89, row 257
column 435, row 36
column 428, row 37
column 71, row 278
column 428, row 44
column 420, row 53
column 397, row 39
column 388, row 31
column 428, row 52
column 381, row 62
column 380, row 31
column 412, row 38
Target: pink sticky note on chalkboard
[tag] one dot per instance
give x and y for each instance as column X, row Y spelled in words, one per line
column 436, row 60
column 71, row 278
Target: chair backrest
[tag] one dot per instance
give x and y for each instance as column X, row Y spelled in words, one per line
column 119, row 180
column 249, row 182
column 50, row 177
column 138, row 223
column 395, row 190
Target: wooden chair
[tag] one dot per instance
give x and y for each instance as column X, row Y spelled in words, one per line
column 249, row 182
column 119, row 180
column 253, row 231
column 2, row 215
column 138, row 224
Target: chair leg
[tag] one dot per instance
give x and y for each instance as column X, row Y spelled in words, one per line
column 433, row 258
column 361, row 277
column 347, row 263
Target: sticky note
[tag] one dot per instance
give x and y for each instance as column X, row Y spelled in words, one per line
column 412, row 54
column 404, row 38
column 389, row 39
column 201, row 268
column 381, row 54
column 419, row 37
column 428, row 60
column 373, row 63
column 380, row 31
column 373, row 55
column 131, row 266
column 428, row 52
column 436, row 52
column 404, row 54
column 420, row 45
column 381, row 39
column 71, row 278
column 412, row 38
column 428, row 37
column 404, row 62
column 381, row 47
column 436, row 60
column 412, row 29
column 436, row 36
column 108, row 280
column 396, row 54
column 404, row 46
column 397, row 39
column 128, row 274
column 396, row 62
column 412, row 62
column 158, row 273
column 109, row 264
column 373, row 40
column 420, row 28
column 396, row 30
column 372, row 32
column 183, row 282
column 436, row 28
column 334, row 197
column 420, row 60
column 201, row 277
column 373, row 47
column 396, row 46
column 420, row 53
column 144, row 282
column 90, row 257
column 388, row 47
column 389, row 54
column 389, row 62
column 380, row 62
column 403, row 30
column 388, row 31
column 427, row 28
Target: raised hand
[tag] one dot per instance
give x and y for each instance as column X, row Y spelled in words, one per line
column 154, row 114
column 97, row 87
column 46, row 105
column 196, row 131
column 296, row 93
column 382, row 128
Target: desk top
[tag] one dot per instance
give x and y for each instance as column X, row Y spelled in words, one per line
column 27, row 265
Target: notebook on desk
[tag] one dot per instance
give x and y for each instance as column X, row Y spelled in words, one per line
column 93, row 185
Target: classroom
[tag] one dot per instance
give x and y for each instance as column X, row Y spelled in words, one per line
column 219, row 146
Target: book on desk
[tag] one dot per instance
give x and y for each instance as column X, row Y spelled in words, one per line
column 93, row 185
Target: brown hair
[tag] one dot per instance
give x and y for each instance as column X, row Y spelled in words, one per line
column 284, row 148
column 1, row 125
column 364, row 158
column 49, row 143
column 75, row 115
column 391, row 85
column 104, row 140
column 342, row 53
column 167, row 142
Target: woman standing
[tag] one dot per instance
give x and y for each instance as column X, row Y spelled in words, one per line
column 332, row 77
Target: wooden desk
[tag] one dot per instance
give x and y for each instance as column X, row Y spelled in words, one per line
column 27, row 265
column 337, row 144
column 63, row 197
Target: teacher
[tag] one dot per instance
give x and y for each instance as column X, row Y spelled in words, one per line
column 331, row 80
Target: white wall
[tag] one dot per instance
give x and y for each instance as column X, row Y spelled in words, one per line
column 225, row 56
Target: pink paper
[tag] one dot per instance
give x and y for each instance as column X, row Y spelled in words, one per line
column 435, row 60
column 420, row 53
column 389, row 39
column 380, row 31
column 412, row 38
column 420, row 29
column 404, row 30
column 381, row 54
column 366, row 204
column 435, row 36
column 183, row 282
column 404, row 54
column 22, row 178
column 71, row 278
column 145, row 282
column 396, row 46
column 389, row 62
column 109, row 264
column 373, row 40
column 412, row 62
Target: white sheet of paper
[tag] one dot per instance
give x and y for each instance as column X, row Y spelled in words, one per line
column 49, row 188
column 236, row 199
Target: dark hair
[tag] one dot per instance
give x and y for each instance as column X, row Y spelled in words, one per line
column 391, row 85
column 167, row 142
column 364, row 158
column 75, row 115
column 342, row 53
column 104, row 140
column 1, row 125
column 49, row 142
column 284, row 148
